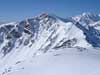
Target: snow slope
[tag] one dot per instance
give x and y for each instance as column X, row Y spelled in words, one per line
column 66, row 61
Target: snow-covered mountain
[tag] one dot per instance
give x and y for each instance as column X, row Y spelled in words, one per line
column 20, row 41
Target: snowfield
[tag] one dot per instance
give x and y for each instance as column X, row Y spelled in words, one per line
column 68, row 61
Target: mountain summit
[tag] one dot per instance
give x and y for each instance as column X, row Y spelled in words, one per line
column 47, row 31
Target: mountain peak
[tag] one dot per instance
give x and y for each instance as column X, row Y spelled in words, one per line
column 87, row 18
column 87, row 14
column 45, row 24
column 90, row 15
column 43, row 14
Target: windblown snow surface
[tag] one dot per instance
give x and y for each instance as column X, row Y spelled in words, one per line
column 50, row 45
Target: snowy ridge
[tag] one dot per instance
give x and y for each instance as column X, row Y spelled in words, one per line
column 50, row 31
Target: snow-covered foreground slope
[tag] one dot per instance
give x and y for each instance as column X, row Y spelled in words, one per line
column 68, row 61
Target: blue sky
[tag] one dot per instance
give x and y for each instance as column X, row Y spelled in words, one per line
column 21, row 9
